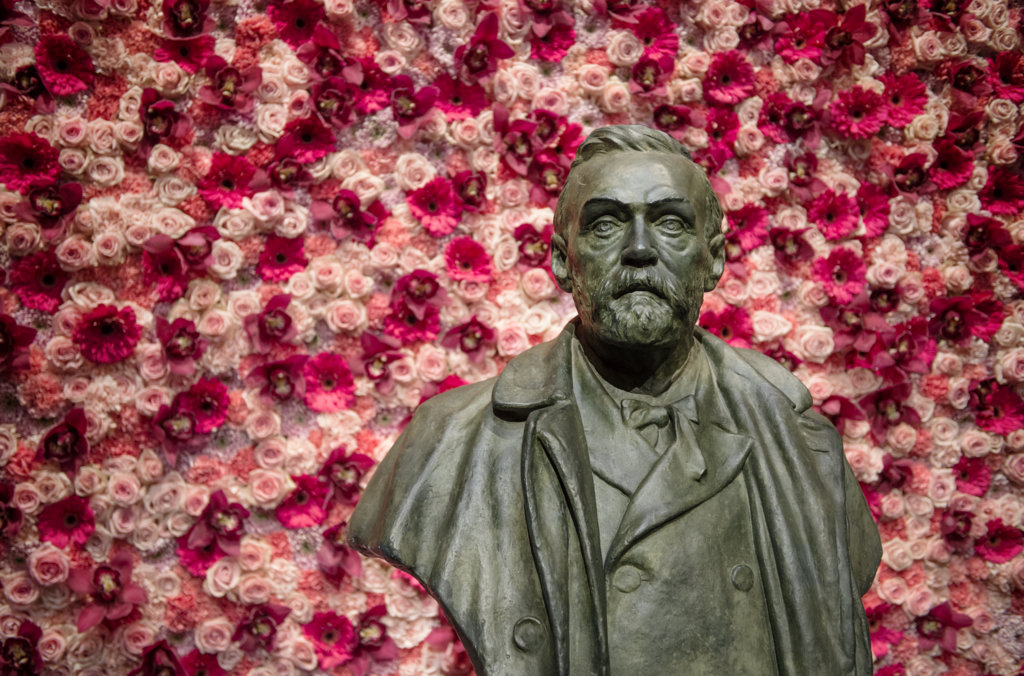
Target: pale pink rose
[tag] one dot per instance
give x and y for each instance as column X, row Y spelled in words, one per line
column 769, row 325
column 271, row 453
column 537, row 285
column 942, row 487
column 147, row 534
column 269, row 486
column 431, row 363
column 863, row 462
column 403, row 370
column 345, row 316
column 391, row 61
column 71, row 131
column 106, row 171
column 327, row 273
column 73, row 160
column 51, row 645
column 227, row 258
column 300, row 286
column 928, row 47
column 214, row 635
column 466, row 133
column 358, row 285
column 959, row 393
column 506, row 253
column 151, row 361
column 549, row 98
column 920, row 599
column 124, row 488
column 1014, row 440
column 695, row 63
column 919, row 505
column 1004, row 37
column 163, row 159
column 733, row 291
column 48, row 565
column 109, row 248
column 721, row 40
column 413, row 171
column 222, row 577
column 63, row 354
column 128, row 133
column 301, row 652
column 527, row 79
column 452, row 14
column 53, row 486
column 624, row 48
column 975, row 443
column 138, row 636
column 511, row 341
column 893, row 590
column 178, row 524
column 896, row 554
column 958, row 279
column 75, row 253
column 202, row 294
column 885, row 275
column 19, row 589
column 1009, row 366
column 691, row 89
column 538, row 320
column 148, row 400
column 512, row 194
column 365, row 185
column 748, row 140
column 253, row 588
column 919, row 548
column 402, row 36
column 101, row 137
column 948, row 364
column 944, row 430
column 892, row 505
column 262, row 424
column 820, row 387
column 964, row 201
column 122, row 521
column 1013, row 467
column 592, row 78
column 815, row 343
column 503, row 86
column 266, row 207
column 346, row 163
column 902, row 438
column 812, row 294
column 164, row 498
column 253, row 554
column 615, row 97
column 195, row 499
column 89, row 480
column 23, row 238
column 215, row 323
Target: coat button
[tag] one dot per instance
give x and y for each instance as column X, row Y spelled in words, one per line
column 528, row 634
column 626, row 579
column 742, row 577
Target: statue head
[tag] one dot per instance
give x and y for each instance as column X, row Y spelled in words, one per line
column 637, row 238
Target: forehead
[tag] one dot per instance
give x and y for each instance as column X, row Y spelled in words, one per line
column 635, row 177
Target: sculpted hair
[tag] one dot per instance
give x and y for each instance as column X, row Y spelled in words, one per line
column 633, row 137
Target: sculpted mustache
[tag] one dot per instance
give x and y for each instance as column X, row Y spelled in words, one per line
column 638, row 280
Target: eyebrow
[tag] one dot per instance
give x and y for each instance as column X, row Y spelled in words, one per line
column 596, row 203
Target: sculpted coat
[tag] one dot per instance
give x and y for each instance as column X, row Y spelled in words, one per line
column 488, row 498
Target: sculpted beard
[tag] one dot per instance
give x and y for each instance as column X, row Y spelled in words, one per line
column 655, row 318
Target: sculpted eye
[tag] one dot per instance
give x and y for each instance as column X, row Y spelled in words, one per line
column 672, row 224
column 604, row 227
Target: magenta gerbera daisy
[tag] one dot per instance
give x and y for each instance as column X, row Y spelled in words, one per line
column 841, row 274
column 27, row 160
column 64, row 67
column 37, row 280
column 281, row 258
column 67, row 521
column 436, row 207
column 229, row 180
column 1001, row 543
column 729, row 78
column 334, row 638
column 858, row 113
column 304, row 508
column 952, row 166
column 905, row 98
column 732, row 324
column 835, row 213
column 329, row 384
column 207, row 403
column 410, row 325
column 106, row 334
column 467, row 260
column 553, row 45
column 295, row 20
column 306, row 140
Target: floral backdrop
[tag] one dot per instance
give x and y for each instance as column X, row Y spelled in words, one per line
column 242, row 240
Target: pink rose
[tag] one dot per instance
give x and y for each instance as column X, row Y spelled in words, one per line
column 466, row 133
column 89, row 480
column 812, row 294
column 268, row 486
column 820, row 387
column 749, row 140
column 512, row 194
column 222, row 577
column 733, row 291
column 262, row 424
column 63, row 353
column 919, row 505
column 892, row 505
column 48, row 565
column 893, row 590
column 149, row 467
column 139, row 636
column 769, row 326
column 51, row 645
column 814, row 342
column 975, row 443
column 896, row 554
column 124, row 488
column 920, row 599
column 254, row 588
column 253, row 554
column 959, row 393
column 1013, row 467
column 109, row 248
column 27, row 498
column 615, row 97
column 537, row 284
column 413, row 171
column 942, row 487
column 511, row 341
column 592, row 78
column 214, row 636
column 151, row 361
column 1009, row 366
column 902, row 438
column 911, row 288
column 123, row 520
column 938, row 551
column 431, row 363
column 72, row 131
column 18, row 588
column 271, row 453
column 195, row 499
column 148, row 400
column 23, row 238
column 624, row 48
column 75, row 253
column 214, row 323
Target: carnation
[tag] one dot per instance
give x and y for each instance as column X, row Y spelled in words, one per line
column 107, row 334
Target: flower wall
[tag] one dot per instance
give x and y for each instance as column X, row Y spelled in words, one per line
column 243, row 240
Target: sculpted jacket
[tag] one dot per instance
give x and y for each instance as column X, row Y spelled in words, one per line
column 488, row 499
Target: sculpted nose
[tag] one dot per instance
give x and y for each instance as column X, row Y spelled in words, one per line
column 638, row 250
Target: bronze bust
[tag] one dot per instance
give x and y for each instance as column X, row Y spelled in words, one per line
column 635, row 496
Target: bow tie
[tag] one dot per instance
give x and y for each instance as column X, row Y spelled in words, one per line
column 639, row 414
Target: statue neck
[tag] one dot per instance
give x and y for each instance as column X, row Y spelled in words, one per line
column 641, row 368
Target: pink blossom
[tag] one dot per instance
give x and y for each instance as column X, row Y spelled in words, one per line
column 858, row 113
column 466, row 259
column 842, row 274
column 229, row 180
column 334, row 638
column 296, row 19
column 729, row 78
column 64, row 67
column 304, row 508
column 835, row 213
column 110, row 591
column 281, row 258
column 27, row 161
column 305, row 140
column 14, row 342
column 436, row 207
column 344, row 471
column 67, row 521
column 66, row 444
column 107, row 334
column 329, row 384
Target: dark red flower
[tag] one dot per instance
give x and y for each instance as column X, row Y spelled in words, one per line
column 650, row 75
column 952, row 166
column 459, row 100
column 64, row 67
column 802, row 171
column 844, row 42
column 287, row 174
column 858, row 113
column 281, row 380
column 895, row 473
column 374, row 644
column 414, row 11
column 66, row 443
column 905, row 98
column 436, row 207
column 983, row 233
column 186, row 18
column 329, row 384
column 207, row 402
column 26, row 85
column 182, row 344
column 196, row 246
column 1001, row 543
column 65, row 522
column 410, row 104
column 281, row 258
column 852, row 324
column 969, row 82
column 959, row 318
column 337, row 561
column 972, row 475
column 111, row 593
column 874, row 208
column 38, row 280
column 160, row 659
column 514, row 140
column 803, row 36
column 656, row 31
column 221, row 524
column 161, row 122
column 939, row 627
column 554, row 44
column 965, row 129
column 304, row 508
column 175, row 427
column 323, row 54
column 305, row 140
column 417, row 289
column 27, row 161
column 903, row 349
column 1001, row 411
column 732, row 324
column 51, row 206
column 376, row 87
column 334, row 638
column 19, row 654
column 106, row 334
column 164, row 267
column 955, row 527
column 722, row 126
column 835, row 213
column 229, row 180
column 842, row 274
column 882, row 636
column 672, row 118
column 547, row 173
column 258, row 630
column 1006, row 76
column 295, row 20
column 470, row 188
column 410, row 325
column 201, row 664
column 14, row 342
column 10, row 514
column 479, row 57
column 911, row 177
column 334, row 100
column 885, row 408
column 534, row 245
column 1004, row 191
column 344, row 471
column 229, row 89
column 466, row 259
column 474, row 338
column 345, row 217
column 189, row 53
column 729, row 78
column 790, row 245
column 273, row 326
column 378, row 354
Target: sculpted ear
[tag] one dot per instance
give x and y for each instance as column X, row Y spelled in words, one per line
column 716, row 246
column 559, row 265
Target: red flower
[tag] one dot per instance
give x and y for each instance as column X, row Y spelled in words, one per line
column 14, row 342
column 27, row 161
column 189, row 53
column 64, row 67
column 729, row 78
column 939, row 626
column 66, row 444
column 334, row 100
column 983, row 233
column 164, row 267
column 343, row 472
column 161, row 122
column 803, row 36
column 514, row 140
column 259, row 628
column 874, row 208
column 306, row 140
column 956, row 529
column 410, row 104
column 376, row 88
column 1001, row 411
column 842, row 274
column 459, row 100
column 473, row 337
column 337, row 561
column 904, row 348
column 959, row 318
column 790, row 245
column 1001, row 543
column 280, row 381
column 479, row 57
column 105, row 334
column 882, row 637
column 334, row 638
column 436, row 207
column 656, row 31
column 470, row 188
column 296, row 19
column 304, row 508
column 51, row 206
column 221, row 524
column 534, row 246
column 200, row 664
column 972, row 476
column 329, row 384
column 905, row 98
column 858, row 113
column 161, row 659
column 37, row 280
column 952, row 166
column 750, row 223
column 672, row 118
column 374, row 642
column 229, row 180
column 969, row 82
column 271, row 327
column 732, row 324
column 835, row 213
column 417, row 289
column 281, row 258
column 207, row 402
column 182, row 344
column 67, row 521
column 322, row 53
column 910, row 176
column 410, row 325
column 886, row 408
column 175, row 427
column 466, row 259
column 19, row 654
column 1006, row 75
column 802, row 171
column 378, row 354
column 553, row 45
column 722, row 126
column 844, row 42
column 230, row 89
column 650, row 74
column 186, row 18
column 1004, row 191
column 112, row 594
column 345, row 217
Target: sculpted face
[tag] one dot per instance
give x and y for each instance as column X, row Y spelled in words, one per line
column 634, row 254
